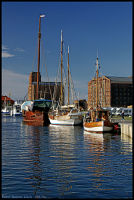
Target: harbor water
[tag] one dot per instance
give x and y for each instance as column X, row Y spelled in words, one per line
column 63, row 162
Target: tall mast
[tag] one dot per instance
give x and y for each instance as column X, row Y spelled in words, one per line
column 68, row 76
column 61, row 100
column 97, row 82
column 39, row 37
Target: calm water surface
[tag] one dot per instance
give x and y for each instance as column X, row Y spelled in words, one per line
column 63, row 162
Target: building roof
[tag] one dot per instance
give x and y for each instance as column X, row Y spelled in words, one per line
column 115, row 79
column 5, row 98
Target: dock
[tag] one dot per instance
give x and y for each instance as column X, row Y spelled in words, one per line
column 126, row 129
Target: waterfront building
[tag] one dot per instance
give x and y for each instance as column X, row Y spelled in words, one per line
column 112, row 91
column 47, row 90
column 82, row 104
column 5, row 100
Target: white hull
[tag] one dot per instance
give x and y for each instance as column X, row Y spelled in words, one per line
column 16, row 111
column 98, row 129
column 68, row 122
column 16, row 114
column 6, row 113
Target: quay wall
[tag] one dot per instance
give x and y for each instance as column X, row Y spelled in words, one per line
column 126, row 129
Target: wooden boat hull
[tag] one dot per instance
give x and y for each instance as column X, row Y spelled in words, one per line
column 37, row 117
column 98, row 127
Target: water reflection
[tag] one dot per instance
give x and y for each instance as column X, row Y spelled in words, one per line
column 104, row 159
column 52, row 152
column 96, row 140
column 37, row 123
column 94, row 144
column 128, row 143
column 66, row 144
column 34, row 169
column 36, row 175
column 56, row 152
column 103, row 142
column 64, row 162
column 98, row 145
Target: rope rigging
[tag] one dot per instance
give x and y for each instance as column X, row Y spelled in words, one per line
column 53, row 93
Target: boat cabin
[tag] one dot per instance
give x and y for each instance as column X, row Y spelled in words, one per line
column 42, row 105
column 97, row 115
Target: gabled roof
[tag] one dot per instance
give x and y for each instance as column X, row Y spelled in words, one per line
column 115, row 79
column 5, row 98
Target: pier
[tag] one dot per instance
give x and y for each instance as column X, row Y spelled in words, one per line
column 126, row 129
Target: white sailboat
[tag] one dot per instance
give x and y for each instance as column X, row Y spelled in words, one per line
column 66, row 115
column 98, row 122
column 6, row 111
column 16, row 110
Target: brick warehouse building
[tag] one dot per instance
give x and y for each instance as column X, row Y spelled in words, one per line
column 6, row 101
column 47, row 90
column 112, row 91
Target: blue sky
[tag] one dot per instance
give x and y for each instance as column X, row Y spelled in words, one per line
column 86, row 26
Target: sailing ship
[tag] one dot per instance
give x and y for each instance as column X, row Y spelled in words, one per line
column 97, row 120
column 36, row 112
column 67, row 115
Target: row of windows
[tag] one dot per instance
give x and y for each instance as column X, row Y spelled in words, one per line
column 122, row 93
column 120, row 101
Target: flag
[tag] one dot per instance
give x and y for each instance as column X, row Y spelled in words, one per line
column 42, row 15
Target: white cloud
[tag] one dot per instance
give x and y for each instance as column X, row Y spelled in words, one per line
column 5, row 54
column 4, row 47
column 14, row 83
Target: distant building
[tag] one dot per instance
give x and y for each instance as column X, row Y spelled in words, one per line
column 6, row 101
column 82, row 104
column 47, row 90
column 112, row 91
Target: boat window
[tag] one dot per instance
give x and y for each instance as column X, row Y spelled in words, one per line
column 18, row 106
column 42, row 104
